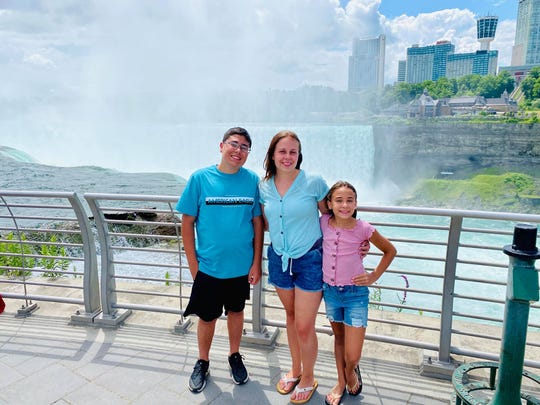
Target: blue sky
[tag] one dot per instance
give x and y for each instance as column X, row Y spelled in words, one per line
column 504, row 9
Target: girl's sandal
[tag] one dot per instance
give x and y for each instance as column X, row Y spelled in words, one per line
column 333, row 399
column 357, row 389
column 286, row 384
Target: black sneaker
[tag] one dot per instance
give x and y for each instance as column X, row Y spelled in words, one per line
column 197, row 381
column 239, row 373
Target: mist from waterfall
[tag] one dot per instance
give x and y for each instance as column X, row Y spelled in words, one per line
column 337, row 152
column 136, row 87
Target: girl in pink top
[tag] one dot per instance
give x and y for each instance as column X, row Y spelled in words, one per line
column 345, row 288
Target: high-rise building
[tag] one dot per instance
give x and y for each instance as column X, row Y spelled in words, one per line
column 427, row 62
column 402, row 71
column 439, row 60
column 485, row 31
column 477, row 63
column 366, row 64
column 526, row 50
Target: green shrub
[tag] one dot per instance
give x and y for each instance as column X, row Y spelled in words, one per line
column 15, row 256
column 52, row 263
column 19, row 260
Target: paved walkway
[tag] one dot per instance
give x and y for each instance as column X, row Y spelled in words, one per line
column 44, row 360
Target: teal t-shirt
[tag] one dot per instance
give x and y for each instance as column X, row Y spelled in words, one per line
column 293, row 220
column 225, row 205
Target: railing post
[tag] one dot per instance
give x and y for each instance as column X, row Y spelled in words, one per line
column 183, row 324
column 110, row 317
column 443, row 365
column 260, row 335
column 92, row 305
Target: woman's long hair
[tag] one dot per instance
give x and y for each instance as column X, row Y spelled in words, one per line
column 269, row 164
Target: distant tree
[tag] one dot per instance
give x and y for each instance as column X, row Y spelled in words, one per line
column 405, row 92
column 530, row 86
column 468, row 85
column 493, row 86
column 489, row 87
column 444, row 88
column 507, row 80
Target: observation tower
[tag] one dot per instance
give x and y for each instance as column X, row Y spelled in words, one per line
column 485, row 31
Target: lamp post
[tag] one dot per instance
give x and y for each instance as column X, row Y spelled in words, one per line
column 522, row 288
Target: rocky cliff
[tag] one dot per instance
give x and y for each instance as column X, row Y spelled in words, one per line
column 406, row 153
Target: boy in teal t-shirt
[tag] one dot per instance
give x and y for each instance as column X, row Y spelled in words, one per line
column 222, row 233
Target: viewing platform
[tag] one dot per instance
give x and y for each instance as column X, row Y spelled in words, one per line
column 45, row 360
column 96, row 286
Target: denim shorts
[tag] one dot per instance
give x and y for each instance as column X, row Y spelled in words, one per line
column 347, row 304
column 304, row 273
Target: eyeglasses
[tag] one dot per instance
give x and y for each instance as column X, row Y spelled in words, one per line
column 235, row 145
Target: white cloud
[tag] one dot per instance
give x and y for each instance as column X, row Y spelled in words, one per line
column 107, row 47
column 39, row 60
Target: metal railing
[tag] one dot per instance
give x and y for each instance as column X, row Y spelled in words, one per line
column 446, row 287
column 44, row 233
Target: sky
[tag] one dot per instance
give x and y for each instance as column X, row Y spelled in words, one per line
column 504, row 9
column 80, row 52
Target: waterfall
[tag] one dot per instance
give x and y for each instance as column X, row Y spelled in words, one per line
column 16, row 154
column 341, row 153
column 337, row 152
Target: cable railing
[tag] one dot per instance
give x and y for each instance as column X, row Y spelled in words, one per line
column 444, row 293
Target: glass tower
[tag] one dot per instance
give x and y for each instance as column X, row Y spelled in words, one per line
column 526, row 50
column 481, row 62
column 427, row 62
column 402, row 70
column 366, row 65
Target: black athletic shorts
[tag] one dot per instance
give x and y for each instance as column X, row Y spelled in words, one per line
column 210, row 295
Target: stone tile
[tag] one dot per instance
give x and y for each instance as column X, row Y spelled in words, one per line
column 94, row 394
column 45, row 360
column 8, row 376
column 44, row 387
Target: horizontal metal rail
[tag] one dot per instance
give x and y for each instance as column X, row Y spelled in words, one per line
column 39, row 242
column 446, row 286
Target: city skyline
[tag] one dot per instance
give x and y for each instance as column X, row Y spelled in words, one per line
column 440, row 60
column 97, row 48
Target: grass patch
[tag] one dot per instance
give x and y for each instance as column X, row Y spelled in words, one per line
column 514, row 192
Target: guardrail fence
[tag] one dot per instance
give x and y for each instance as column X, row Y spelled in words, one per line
column 116, row 253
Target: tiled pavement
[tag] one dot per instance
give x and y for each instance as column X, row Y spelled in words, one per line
column 45, row 360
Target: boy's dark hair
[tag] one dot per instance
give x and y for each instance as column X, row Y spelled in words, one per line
column 237, row 131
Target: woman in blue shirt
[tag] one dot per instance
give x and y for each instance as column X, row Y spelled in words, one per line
column 291, row 201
